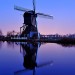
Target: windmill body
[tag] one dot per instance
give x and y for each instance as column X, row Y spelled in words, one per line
column 30, row 18
column 29, row 28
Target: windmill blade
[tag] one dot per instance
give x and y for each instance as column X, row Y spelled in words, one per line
column 21, row 9
column 34, row 5
column 20, row 71
column 44, row 15
column 44, row 64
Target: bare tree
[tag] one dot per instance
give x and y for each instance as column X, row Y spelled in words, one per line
column 1, row 33
column 9, row 34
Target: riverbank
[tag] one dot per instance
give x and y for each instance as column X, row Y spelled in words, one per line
column 62, row 40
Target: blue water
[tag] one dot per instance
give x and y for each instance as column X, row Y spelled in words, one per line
column 36, row 59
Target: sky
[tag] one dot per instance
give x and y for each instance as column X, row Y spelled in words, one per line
column 63, row 12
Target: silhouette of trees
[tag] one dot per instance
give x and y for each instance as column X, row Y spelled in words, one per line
column 9, row 34
column 12, row 33
column 1, row 33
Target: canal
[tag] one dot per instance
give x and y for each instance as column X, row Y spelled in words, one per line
column 36, row 59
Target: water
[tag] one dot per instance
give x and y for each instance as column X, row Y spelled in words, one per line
column 36, row 59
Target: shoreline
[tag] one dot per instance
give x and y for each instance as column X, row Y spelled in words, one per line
column 60, row 41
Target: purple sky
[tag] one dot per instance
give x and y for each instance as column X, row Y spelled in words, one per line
column 62, row 10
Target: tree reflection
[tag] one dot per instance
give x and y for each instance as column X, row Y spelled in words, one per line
column 10, row 44
column 67, row 45
column 0, row 44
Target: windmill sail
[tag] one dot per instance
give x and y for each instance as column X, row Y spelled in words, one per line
column 21, row 9
column 34, row 5
column 44, row 15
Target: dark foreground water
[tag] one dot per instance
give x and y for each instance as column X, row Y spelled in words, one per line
column 36, row 59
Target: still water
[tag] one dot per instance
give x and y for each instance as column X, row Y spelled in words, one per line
column 36, row 59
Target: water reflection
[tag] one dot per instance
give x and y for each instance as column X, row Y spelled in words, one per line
column 29, row 51
column 0, row 45
column 34, row 58
column 10, row 44
column 67, row 45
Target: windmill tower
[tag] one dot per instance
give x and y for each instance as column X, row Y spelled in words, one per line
column 30, row 29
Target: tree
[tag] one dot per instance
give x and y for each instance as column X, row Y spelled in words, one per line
column 9, row 34
column 1, row 33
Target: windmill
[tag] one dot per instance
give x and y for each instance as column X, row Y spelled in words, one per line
column 30, row 29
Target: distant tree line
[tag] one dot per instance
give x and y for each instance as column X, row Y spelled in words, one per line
column 12, row 34
column 1, row 34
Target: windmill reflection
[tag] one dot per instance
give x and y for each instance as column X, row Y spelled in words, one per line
column 30, row 55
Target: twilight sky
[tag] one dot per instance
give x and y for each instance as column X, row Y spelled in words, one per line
column 62, row 10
